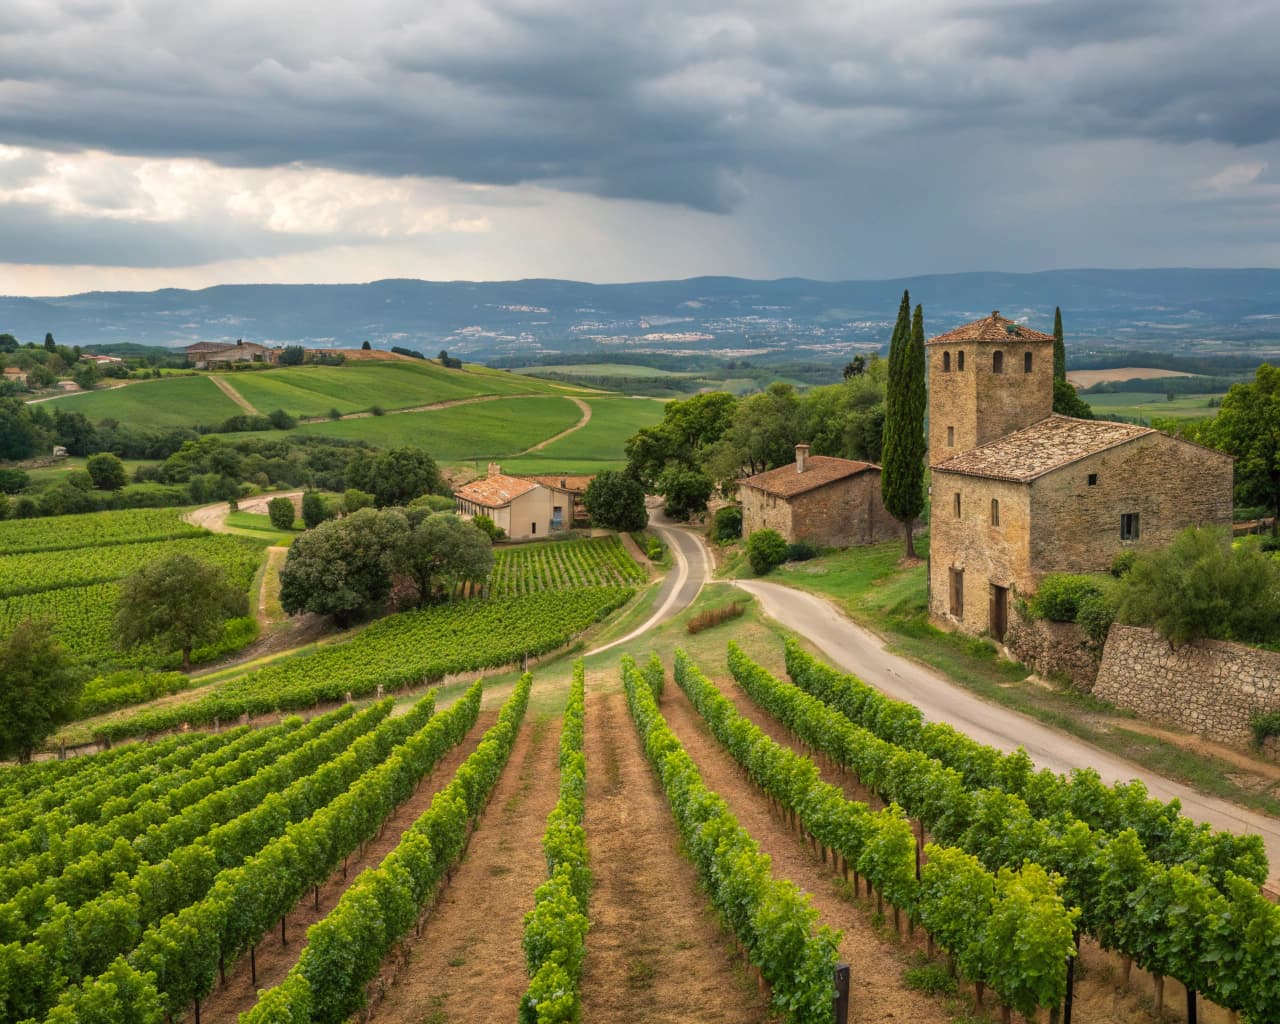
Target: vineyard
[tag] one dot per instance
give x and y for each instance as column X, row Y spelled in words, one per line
column 563, row 565
column 62, row 533
column 174, row 879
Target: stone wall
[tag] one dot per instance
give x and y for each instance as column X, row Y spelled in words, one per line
column 844, row 513
column 1053, row 648
column 761, row 511
column 1210, row 688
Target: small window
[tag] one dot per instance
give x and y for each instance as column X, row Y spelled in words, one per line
column 951, row 437
column 1026, row 362
column 1129, row 526
column 960, row 361
column 995, row 511
column 533, row 527
column 957, row 593
column 997, row 362
column 1093, row 479
column 946, row 362
column 956, row 504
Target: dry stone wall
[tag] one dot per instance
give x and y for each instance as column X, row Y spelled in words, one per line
column 1054, row 648
column 1210, row 688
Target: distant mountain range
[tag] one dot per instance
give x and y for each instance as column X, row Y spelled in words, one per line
column 1203, row 312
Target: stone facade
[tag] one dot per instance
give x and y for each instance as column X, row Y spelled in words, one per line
column 839, row 514
column 1054, row 648
column 1211, row 688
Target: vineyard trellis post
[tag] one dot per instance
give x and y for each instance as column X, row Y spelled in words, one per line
column 842, row 994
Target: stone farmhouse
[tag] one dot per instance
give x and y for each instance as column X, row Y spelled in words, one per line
column 524, row 508
column 576, row 486
column 1018, row 491
column 15, row 375
column 204, row 355
column 834, row 503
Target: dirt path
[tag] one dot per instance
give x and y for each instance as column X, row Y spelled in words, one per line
column 879, row 994
column 468, row 964
column 432, row 407
column 214, row 517
column 1100, row 997
column 655, row 951
column 274, row 960
column 586, row 418
column 227, row 389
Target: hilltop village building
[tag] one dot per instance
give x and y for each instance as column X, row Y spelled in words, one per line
column 1018, row 491
column 834, row 503
column 524, row 508
column 204, row 355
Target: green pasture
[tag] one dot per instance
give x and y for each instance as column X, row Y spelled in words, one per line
column 597, row 446
column 1147, row 406
column 602, row 370
column 46, row 475
column 483, row 430
column 168, row 402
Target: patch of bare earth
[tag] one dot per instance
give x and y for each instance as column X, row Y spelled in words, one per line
column 1101, row 995
column 273, row 958
column 1087, row 378
column 877, row 960
column 655, row 951
column 468, row 963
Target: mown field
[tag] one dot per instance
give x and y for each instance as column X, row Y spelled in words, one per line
column 599, row 445
column 1146, row 406
column 168, row 402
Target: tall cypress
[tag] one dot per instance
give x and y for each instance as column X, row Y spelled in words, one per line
column 1059, row 346
column 902, row 476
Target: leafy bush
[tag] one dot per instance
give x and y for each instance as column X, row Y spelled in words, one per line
column 1265, row 725
column 802, row 551
column 1059, row 596
column 1204, row 586
column 765, row 551
column 13, row 480
column 1122, row 564
column 315, row 510
column 281, row 420
column 378, row 410
column 488, row 527
column 281, row 513
column 727, row 524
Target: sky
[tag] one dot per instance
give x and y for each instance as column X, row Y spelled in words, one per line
column 148, row 144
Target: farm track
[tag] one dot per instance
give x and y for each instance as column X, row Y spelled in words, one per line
column 430, row 407
column 226, row 387
column 1099, row 998
column 274, row 960
column 877, row 991
column 468, row 965
column 655, row 951
column 586, row 418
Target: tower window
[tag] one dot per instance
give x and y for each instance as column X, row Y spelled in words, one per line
column 960, row 361
column 956, row 504
column 946, row 362
column 997, row 362
column 1093, row 479
column 1129, row 526
column 1026, row 362
column 957, row 593
column 951, row 437
column 995, row 511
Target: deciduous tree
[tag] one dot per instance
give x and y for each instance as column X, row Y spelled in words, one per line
column 39, row 689
column 1248, row 427
column 402, row 474
column 614, row 501
column 106, row 471
column 281, row 512
column 443, row 551
column 177, row 603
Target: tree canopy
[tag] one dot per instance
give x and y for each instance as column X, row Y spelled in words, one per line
column 40, row 688
column 1248, row 427
column 614, row 501
column 902, row 479
column 177, row 603
column 106, row 471
column 443, row 551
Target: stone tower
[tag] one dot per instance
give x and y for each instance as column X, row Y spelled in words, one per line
column 987, row 379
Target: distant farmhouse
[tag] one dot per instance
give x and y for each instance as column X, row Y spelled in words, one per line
column 834, row 503
column 205, row 355
column 522, row 507
column 1018, row 491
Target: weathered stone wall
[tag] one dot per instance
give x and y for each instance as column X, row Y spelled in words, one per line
column 988, row 554
column 1211, row 688
column 1171, row 484
column 1053, row 648
column 761, row 511
column 844, row 513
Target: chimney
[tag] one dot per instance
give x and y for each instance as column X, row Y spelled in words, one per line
column 802, row 457
column 495, row 469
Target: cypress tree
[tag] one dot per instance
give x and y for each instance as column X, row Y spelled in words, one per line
column 902, row 476
column 1059, row 346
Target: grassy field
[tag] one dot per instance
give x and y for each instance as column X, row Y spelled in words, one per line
column 168, row 402
column 598, row 445
column 46, row 475
column 1143, row 405
column 603, row 370
column 482, row 431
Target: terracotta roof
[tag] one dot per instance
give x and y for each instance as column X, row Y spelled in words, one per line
column 494, row 491
column 990, row 328
column 819, row 471
column 1054, row 442
column 560, row 481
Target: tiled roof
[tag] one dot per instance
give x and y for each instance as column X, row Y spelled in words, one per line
column 494, row 491
column 819, row 470
column 561, row 481
column 1054, row 442
column 990, row 328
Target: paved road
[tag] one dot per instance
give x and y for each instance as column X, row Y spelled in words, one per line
column 859, row 651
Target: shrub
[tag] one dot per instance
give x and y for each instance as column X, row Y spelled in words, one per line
column 1122, row 564
column 765, row 551
column 1059, row 596
column 802, row 551
column 13, row 480
column 315, row 510
column 715, row 616
column 433, row 503
column 106, row 471
column 1204, row 586
column 281, row 420
column 727, row 524
column 654, row 549
column 335, row 413
column 281, row 513
column 378, row 410
column 487, row 526
column 354, row 499
column 1096, row 613
column 1265, row 725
